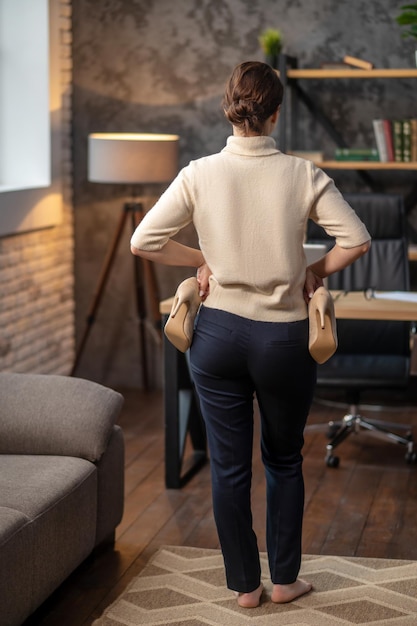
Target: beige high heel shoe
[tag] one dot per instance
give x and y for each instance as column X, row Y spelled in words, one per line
column 179, row 328
column 322, row 333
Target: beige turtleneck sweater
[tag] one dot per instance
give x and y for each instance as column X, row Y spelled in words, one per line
column 250, row 204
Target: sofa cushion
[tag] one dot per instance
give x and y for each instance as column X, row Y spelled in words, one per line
column 58, row 415
column 57, row 497
column 31, row 484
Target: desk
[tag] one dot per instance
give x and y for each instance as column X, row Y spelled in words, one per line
column 355, row 306
column 182, row 413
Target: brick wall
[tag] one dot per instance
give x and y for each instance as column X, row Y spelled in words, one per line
column 36, row 268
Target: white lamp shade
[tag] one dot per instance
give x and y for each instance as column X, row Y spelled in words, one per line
column 132, row 158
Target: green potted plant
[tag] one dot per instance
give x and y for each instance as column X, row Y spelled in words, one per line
column 270, row 41
column 408, row 18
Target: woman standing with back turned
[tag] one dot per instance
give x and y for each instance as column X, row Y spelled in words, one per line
column 250, row 204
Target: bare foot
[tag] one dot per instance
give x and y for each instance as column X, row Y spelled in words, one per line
column 250, row 600
column 287, row 593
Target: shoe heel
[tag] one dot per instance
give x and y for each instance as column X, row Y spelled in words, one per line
column 176, row 306
column 322, row 312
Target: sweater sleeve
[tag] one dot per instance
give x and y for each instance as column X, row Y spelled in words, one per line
column 172, row 212
column 331, row 211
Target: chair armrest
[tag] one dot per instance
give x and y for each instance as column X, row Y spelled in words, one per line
column 57, row 415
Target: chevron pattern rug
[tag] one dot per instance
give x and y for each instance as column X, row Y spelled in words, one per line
column 186, row 587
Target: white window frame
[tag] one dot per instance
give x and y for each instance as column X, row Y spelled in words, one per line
column 30, row 116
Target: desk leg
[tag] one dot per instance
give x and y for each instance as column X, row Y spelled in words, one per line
column 182, row 417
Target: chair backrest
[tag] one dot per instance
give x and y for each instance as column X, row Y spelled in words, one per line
column 385, row 267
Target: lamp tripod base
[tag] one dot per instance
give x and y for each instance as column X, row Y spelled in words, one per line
column 145, row 285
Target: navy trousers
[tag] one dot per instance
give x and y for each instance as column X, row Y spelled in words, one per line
column 232, row 358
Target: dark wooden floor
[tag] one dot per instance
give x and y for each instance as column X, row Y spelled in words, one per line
column 366, row 507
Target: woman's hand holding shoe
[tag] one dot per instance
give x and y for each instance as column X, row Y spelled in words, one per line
column 203, row 275
column 312, row 283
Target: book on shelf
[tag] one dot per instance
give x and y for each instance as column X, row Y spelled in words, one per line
column 337, row 65
column 347, row 63
column 396, row 140
column 388, row 139
column 406, row 140
column 381, row 145
column 359, row 63
column 356, row 154
column 383, row 139
column 413, row 138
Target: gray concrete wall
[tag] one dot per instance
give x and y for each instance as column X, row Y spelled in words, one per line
column 160, row 66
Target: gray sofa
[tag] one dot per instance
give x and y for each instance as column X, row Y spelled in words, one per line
column 61, row 483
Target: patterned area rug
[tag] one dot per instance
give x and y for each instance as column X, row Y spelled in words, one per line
column 186, row 587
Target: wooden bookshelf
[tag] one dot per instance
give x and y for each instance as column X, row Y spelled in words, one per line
column 351, row 73
column 294, row 74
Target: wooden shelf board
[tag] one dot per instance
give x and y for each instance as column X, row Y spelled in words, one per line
column 366, row 165
column 352, row 73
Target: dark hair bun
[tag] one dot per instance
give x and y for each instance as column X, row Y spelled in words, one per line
column 252, row 95
column 241, row 110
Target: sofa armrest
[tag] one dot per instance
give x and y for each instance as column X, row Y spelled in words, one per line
column 110, row 486
column 58, row 415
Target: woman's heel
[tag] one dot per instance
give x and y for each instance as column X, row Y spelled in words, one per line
column 323, row 334
column 180, row 325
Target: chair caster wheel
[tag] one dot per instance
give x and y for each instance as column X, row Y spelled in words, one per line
column 332, row 461
column 411, row 458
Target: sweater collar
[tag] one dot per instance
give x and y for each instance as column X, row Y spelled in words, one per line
column 251, row 146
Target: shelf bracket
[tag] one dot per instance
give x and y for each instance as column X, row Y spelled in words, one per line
column 332, row 132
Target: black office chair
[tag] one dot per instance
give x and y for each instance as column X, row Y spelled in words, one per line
column 371, row 354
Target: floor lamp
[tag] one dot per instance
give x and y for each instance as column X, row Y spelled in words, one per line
column 129, row 158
